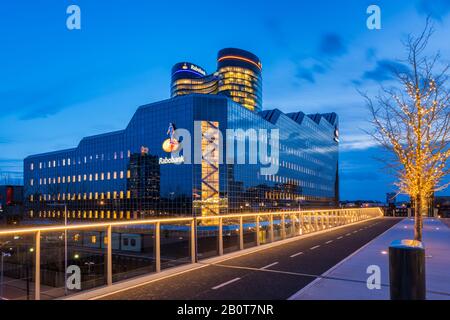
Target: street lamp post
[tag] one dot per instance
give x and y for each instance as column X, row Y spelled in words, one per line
column 4, row 254
column 65, row 242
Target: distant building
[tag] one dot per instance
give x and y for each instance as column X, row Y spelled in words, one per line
column 442, row 203
column 11, row 202
column 391, row 198
column 144, row 171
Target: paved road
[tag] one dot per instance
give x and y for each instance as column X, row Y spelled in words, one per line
column 273, row 273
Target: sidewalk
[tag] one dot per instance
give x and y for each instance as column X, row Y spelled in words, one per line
column 349, row 276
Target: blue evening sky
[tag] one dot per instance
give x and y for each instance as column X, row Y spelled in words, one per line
column 57, row 86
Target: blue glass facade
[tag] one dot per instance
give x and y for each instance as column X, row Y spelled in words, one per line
column 238, row 77
column 127, row 174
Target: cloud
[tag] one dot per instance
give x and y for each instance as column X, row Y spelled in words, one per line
column 5, row 140
column 360, row 176
column 331, row 45
column 384, row 70
column 357, row 142
column 27, row 104
column 308, row 73
column 371, row 54
column 437, row 9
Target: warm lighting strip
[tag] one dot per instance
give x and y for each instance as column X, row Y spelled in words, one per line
column 168, row 220
column 240, row 58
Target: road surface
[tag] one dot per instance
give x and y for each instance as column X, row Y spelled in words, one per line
column 272, row 273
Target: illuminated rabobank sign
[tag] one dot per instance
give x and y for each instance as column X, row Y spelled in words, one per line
column 171, row 145
column 190, row 67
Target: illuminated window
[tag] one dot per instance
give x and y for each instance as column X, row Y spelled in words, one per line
column 128, row 174
column 32, row 166
column 31, row 182
column 115, row 175
column 108, row 175
column 121, row 174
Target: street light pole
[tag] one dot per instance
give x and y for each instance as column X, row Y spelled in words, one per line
column 65, row 243
column 65, row 249
column 4, row 254
column 1, row 280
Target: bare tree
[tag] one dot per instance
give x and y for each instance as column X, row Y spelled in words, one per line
column 412, row 121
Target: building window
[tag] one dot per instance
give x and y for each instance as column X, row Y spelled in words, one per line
column 32, row 166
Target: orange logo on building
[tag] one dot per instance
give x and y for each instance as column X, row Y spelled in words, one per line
column 171, row 144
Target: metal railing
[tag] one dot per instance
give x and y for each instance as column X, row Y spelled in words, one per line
column 193, row 238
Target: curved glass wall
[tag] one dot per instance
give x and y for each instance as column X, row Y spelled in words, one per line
column 189, row 78
column 238, row 76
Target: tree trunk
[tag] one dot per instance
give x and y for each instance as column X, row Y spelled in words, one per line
column 418, row 223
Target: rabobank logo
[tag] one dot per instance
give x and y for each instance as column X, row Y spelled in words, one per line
column 171, row 144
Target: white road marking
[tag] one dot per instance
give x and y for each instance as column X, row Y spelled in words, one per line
column 330, row 241
column 355, row 231
column 315, row 247
column 339, row 238
column 296, row 254
column 225, row 283
column 348, row 234
column 269, row 265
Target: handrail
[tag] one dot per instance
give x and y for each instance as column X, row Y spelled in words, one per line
column 305, row 222
column 164, row 220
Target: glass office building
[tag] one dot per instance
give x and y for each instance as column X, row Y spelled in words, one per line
column 175, row 157
column 238, row 76
column 132, row 173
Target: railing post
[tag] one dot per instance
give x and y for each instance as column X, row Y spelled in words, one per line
column 158, row 246
column 283, row 226
column 293, row 224
column 300, row 223
column 322, row 220
column 257, row 230
column 271, row 228
column 316, row 223
column 328, row 219
column 193, row 235
column 220, row 236
column 309, row 216
column 109, row 281
column 241, row 233
column 37, row 265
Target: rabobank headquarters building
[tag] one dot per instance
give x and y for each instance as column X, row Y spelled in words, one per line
column 210, row 149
